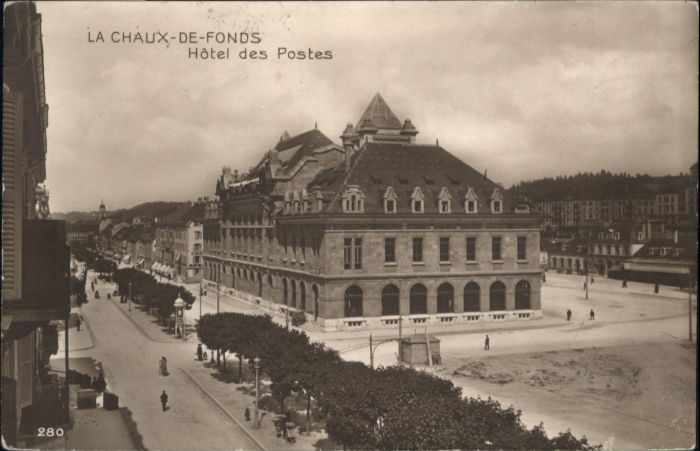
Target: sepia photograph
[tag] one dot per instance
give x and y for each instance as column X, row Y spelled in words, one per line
column 338, row 225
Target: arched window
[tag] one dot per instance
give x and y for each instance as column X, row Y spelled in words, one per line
column 353, row 302
column 472, row 297
column 314, row 290
column 285, row 292
column 294, row 293
column 497, row 296
column 522, row 295
column 390, row 300
column 419, row 299
column 302, row 296
column 445, row 298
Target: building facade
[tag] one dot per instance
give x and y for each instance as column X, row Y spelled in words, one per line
column 35, row 257
column 179, row 243
column 382, row 227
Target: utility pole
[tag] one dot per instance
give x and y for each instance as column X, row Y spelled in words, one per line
column 371, row 353
column 690, row 304
column 200, row 299
column 400, row 339
column 218, row 281
column 587, row 265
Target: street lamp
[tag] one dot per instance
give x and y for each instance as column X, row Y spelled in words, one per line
column 179, row 316
column 200, row 300
column 256, row 364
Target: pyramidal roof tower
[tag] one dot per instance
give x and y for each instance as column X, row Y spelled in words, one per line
column 380, row 124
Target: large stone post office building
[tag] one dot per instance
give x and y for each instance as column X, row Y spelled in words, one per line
column 355, row 235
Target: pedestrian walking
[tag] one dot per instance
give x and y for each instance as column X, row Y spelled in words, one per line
column 584, row 285
column 247, row 414
column 163, row 366
column 568, row 314
column 199, row 352
column 592, row 281
column 164, row 400
column 487, row 343
column 592, row 315
column 624, row 284
column 77, row 323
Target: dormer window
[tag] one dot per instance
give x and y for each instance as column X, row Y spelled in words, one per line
column 470, row 201
column 417, row 201
column 390, row 200
column 305, row 201
column 444, row 201
column 287, row 202
column 496, row 201
column 353, row 200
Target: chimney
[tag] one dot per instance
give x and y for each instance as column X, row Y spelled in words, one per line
column 347, row 138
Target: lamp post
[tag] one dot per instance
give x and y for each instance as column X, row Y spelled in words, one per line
column 690, row 303
column 129, row 296
column 256, row 364
column 179, row 316
column 200, row 300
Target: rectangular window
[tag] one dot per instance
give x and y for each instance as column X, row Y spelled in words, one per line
column 347, row 253
column 471, row 206
column 418, row 206
column 471, row 249
column 444, row 249
column 389, row 250
column 522, row 248
column 358, row 253
column 417, row 249
column 496, row 248
column 390, row 206
column 303, row 248
column 444, row 206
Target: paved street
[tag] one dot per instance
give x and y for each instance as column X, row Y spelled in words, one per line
column 130, row 360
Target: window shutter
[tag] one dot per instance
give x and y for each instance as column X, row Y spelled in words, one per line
column 12, row 177
column 25, row 377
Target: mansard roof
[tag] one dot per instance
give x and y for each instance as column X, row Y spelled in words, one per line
column 404, row 167
column 380, row 115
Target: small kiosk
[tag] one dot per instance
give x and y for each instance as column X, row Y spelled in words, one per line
column 421, row 349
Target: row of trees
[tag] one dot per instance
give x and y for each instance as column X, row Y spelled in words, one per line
column 146, row 290
column 363, row 408
column 92, row 259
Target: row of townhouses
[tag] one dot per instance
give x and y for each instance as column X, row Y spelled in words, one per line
column 170, row 245
column 35, row 258
column 670, row 199
column 359, row 234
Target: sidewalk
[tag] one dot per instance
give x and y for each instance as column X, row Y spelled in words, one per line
column 78, row 340
column 233, row 398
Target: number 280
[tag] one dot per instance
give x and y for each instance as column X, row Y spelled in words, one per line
column 50, row 432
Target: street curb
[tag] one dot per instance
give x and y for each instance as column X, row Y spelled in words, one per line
column 223, row 409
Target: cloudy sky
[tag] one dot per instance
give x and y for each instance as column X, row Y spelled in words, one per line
column 524, row 90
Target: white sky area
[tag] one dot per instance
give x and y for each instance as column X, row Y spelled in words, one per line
column 522, row 89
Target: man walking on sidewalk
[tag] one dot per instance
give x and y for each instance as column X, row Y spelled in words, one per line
column 487, row 343
column 164, row 400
